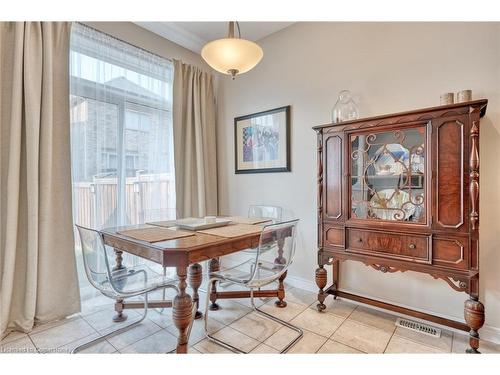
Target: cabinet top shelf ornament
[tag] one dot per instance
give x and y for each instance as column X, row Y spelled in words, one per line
column 400, row 192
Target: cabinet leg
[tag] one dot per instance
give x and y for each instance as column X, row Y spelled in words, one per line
column 336, row 275
column 195, row 277
column 321, row 283
column 474, row 316
column 214, row 266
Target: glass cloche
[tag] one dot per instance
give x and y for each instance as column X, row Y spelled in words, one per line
column 345, row 108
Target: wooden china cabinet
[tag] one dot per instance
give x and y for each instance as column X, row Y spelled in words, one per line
column 401, row 192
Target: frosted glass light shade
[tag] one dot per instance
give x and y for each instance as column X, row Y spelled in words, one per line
column 232, row 54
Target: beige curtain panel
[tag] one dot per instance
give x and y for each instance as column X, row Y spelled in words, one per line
column 38, row 280
column 194, row 119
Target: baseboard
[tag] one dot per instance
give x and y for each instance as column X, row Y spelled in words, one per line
column 301, row 283
column 488, row 333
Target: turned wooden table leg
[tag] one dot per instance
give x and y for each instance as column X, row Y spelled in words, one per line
column 281, row 292
column 321, row 283
column 119, row 260
column 182, row 311
column 195, row 278
column 119, row 316
column 474, row 316
column 281, row 286
column 214, row 266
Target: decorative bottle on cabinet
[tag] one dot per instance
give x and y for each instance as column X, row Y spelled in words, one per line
column 392, row 195
column 345, row 109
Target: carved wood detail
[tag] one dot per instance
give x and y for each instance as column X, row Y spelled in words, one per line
column 456, row 284
column 474, row 175
column 321, row 279
column 474, row 316
column 382, row 268
column 320, row 189
column 182, row 311
column 195, row 278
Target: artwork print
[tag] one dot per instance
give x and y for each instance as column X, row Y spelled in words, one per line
column 262, row 141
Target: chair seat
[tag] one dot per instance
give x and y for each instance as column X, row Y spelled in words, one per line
column 134, row 281
column 251, row 251
column 266, row 273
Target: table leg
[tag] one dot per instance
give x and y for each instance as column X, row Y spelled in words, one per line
column 119, row 316
column 214, row 266
column 281, row 286
column 281, row 292
column 195, row 278
column 182, row 311
column 119, row 260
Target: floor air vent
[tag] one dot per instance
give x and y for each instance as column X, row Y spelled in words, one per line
column 418, row 327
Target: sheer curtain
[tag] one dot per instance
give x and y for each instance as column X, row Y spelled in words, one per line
column 122, row 153
column 121, row 132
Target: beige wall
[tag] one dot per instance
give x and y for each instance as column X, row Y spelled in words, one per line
column 389, row 67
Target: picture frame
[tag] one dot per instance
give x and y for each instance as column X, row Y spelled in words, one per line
column 262, row 142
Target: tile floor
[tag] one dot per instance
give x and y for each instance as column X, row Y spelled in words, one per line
column 344, row 327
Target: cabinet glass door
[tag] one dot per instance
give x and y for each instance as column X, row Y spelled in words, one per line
column 387, row 171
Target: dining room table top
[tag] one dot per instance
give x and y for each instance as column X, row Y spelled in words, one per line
column 179, row 251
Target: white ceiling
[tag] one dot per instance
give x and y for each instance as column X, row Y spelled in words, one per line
column 194, row 35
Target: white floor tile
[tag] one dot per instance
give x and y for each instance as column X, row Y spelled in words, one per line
column 236, row 339
column 134, row 334
column 159, row 342
column 100, row 347
column 21, row 345
column 55, row 337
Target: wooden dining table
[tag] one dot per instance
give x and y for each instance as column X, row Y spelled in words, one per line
column 186, row 254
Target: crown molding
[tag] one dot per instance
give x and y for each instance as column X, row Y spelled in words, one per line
column 175, row 34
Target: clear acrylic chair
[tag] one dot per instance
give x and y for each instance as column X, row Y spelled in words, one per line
column 266, row 267
column 274, row 213
column 268, row 212
column 138, row 280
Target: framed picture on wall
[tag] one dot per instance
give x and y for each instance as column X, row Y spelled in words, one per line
column 262, row 141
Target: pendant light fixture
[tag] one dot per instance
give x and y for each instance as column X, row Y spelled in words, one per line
column 232, row 55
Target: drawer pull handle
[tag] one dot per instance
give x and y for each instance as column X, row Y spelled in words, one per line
column 360, row 240
column 412, row 246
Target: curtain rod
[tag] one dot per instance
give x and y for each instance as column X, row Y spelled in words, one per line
column 124, row 41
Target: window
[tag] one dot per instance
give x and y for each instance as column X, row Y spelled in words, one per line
column 122, row 155
column 121, row 132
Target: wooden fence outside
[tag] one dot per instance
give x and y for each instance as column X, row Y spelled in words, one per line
column 147, row 198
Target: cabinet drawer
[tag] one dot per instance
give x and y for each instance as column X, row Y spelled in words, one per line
column 413, row 248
